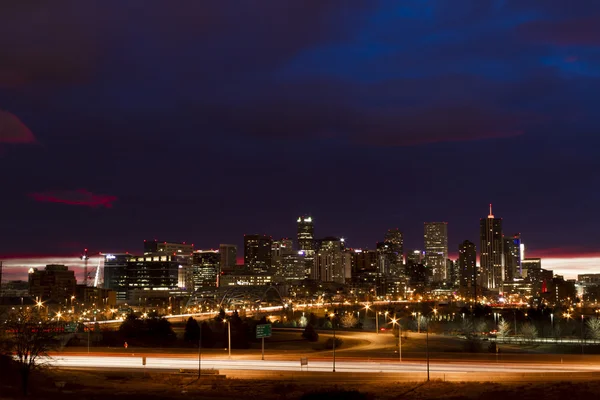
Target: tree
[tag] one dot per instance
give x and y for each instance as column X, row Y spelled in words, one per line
column 503, row 329
column 29, row 338
column 192, row 331
column 529, row 331
column 310, row 333
column 593, row 328
column 348, row 320
column 208, row 339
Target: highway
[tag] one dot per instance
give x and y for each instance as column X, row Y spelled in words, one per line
column 176, row 363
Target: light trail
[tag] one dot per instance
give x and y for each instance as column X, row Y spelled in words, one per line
column 170, row 363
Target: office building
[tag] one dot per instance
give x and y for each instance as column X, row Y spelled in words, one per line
column 330, row 264
column 206, row 268
column 306, row 241
column 467, row 265
column 175, row 248
column 436, row 249
column 279, row 250
column 236, row 279
column 395, row 241
column 306, row 234
column 512, row 257
column 491, row 251
column 531, row 266
column 385, row 258
column 363, row 260
column 415, row 257
column 293, row 267
column 155, row 272
column 115, row 274
column 257, row 253
column 95, row 297
column 55, row 283
column 228, row 254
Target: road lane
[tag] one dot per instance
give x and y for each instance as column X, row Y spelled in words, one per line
column 172, row 363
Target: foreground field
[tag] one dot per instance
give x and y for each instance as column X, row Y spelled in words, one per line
column 65, row 384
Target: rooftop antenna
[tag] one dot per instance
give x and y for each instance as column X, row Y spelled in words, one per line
column 491, row 215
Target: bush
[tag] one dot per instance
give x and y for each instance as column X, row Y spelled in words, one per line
column 310, row 334
column 329, row 343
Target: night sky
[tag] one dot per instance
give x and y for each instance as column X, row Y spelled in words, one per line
column 200, row 121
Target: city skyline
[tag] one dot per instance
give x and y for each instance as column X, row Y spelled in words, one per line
column 381, row 115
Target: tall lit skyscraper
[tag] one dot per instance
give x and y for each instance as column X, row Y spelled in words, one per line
column 330, row 263
column 436, row 249
column 395, row 240
column 306, row 241
column 228, row 254
column 205, row 268
column 257, row 252
column 491, row 251
column 279, row 250
column 306, row 233
column 467, row 265
column 512, row 257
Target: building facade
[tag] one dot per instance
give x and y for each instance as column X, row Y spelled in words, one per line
column 467, row 265
column 257, row 253
column 206, row 268
column 228, row 254
column 491, row 251
column 436, row 249
column 55, row 282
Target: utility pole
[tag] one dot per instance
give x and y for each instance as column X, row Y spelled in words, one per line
column 229, row 337
column 200, row 352
column 427, row 351
column 333, row 325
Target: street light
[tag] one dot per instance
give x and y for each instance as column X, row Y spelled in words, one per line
column 229, row 337
column 394, row 322
column 333, row 327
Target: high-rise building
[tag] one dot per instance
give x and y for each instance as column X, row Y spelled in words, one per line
column 156, row 272
column 306, row 241
column 228, row 254
column 395, row 240
column 512, row 257
column 385, row 258
column 467, row 265
column 115, row 274
column 491, row 251
column 330, row 264
column 206, row 265
column 306, row 234
column 436, row 249
column 257, row 253
column 280, row 249
column 55, row 282
column 414, row 257
column 363, row 261
column 452, row 272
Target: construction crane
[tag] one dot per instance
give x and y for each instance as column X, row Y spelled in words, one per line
column 86, row 276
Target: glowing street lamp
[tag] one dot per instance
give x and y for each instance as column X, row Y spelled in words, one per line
column 394, row 322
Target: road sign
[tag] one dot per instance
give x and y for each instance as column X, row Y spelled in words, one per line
column 263, row 331
column 71, row 327
column 303, row 361
column 143, row 360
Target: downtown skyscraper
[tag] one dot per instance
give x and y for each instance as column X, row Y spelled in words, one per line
column 491, row 255
column 436, row 249
column 306, row 241
column 467, row 266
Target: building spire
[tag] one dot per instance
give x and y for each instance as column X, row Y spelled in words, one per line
column 491, row 215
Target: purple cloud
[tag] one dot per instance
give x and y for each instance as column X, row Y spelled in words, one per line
column 79, row 197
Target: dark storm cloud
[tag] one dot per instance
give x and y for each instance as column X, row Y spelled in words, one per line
column 12, row 130
column 79, row 197
column 584, row 31
column 182, row 109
